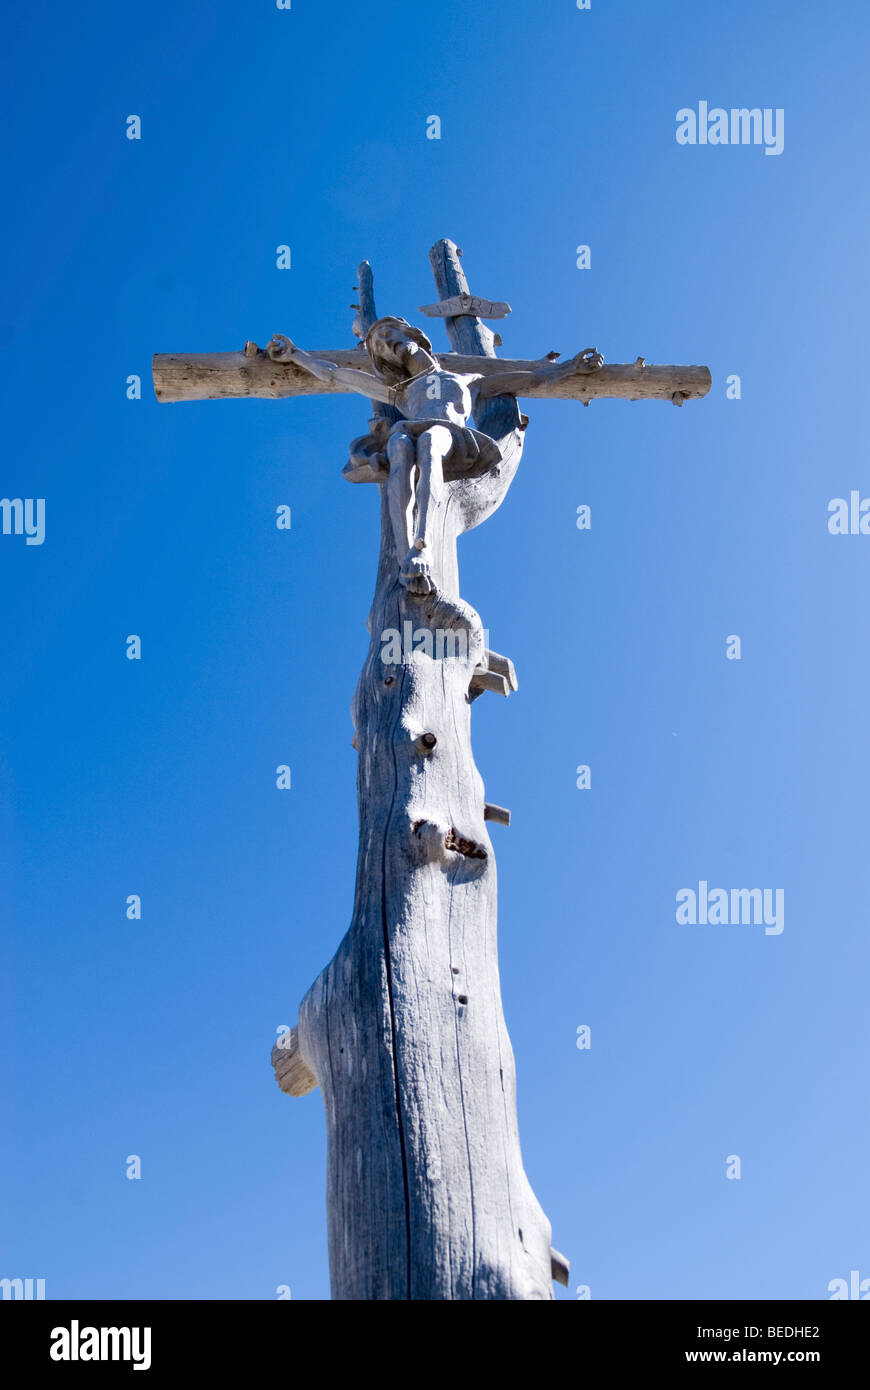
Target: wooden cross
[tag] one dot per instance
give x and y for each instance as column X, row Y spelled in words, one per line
column 403, row 1031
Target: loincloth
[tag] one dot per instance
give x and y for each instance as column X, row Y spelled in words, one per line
column 471, row 452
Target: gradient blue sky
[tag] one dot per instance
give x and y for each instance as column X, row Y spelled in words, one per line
column 157, row 777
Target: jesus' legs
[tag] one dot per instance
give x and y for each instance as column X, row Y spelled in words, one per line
column 415, row 487
column 402, row 456
column 433, row 446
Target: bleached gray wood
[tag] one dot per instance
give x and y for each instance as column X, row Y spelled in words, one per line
column 366, row 312
column 466, row 304
column 213, row 376
column 495, row 673
column 490, row 680
column 503, row 666
column 403, row 1031
column 365, row 317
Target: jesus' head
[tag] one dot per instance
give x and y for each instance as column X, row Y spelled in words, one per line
column 398, row 350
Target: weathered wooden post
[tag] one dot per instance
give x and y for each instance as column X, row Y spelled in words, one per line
column 403, row 1032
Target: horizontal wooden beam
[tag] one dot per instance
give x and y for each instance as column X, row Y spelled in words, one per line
column 213, row 376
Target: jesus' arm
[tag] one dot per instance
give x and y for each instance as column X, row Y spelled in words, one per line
column 516, row 383
column 281, row 349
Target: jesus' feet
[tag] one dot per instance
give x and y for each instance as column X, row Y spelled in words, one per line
column 416, row 575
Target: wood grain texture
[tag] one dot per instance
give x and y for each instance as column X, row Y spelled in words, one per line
column 291, row 1072
column 213, row 376
column 466, row 304
column 404, row 1029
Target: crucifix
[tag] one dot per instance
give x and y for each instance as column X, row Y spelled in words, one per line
column 403, row 1031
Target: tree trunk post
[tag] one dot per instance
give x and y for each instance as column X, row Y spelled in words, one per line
column 403, row 1031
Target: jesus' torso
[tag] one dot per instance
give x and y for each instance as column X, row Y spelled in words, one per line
column 437, row 395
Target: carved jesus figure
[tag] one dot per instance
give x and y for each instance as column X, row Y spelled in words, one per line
column 432, row 443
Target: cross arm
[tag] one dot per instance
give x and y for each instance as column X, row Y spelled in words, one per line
column 223, row 375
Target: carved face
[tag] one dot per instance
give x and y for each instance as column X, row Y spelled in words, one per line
column 390, row 343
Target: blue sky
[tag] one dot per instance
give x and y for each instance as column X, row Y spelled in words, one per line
column 307, row 127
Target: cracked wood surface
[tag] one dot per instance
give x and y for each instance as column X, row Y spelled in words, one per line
column 403, row 1032
column 404, row 1029
column 211, row 376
